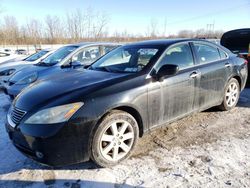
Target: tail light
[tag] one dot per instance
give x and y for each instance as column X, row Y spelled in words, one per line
column 246, row 62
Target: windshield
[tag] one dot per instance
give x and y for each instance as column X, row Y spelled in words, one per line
column 126, row 59
column 36, row 56
column 58, row 56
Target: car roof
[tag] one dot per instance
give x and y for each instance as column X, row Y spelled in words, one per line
column 166, row 42
column 93, row 43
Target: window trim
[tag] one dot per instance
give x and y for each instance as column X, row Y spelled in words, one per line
column 149, row 75
column 227, row 56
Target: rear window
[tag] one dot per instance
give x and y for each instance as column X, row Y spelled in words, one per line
column 223, row 55
column 206, row 53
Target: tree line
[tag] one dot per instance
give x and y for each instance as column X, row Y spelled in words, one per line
column 82, row 25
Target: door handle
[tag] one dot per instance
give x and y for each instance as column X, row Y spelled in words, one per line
column 228, row 65
column 194, row 74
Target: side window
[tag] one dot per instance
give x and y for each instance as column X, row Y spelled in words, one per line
column 180, row 55
column 223, row 55
column 108, row 48
column 206, row 54
column 88, row 55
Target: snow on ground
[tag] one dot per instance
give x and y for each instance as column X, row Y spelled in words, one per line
column 209, row 149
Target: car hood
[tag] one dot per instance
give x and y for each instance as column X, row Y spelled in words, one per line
column 31, row 69
column 61, row 84
column 13, row 65
column 238, row 41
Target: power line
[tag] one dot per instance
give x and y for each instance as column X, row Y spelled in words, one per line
column 209, row 14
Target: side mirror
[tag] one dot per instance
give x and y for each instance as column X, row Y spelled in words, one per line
column 76, row 64
column 167, row 70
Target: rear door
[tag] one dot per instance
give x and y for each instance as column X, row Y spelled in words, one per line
column 215, row 68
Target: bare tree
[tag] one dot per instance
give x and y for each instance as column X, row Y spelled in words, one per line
column 99, row 27
column 76, row 22
column 35, row 30
column 53, row 28
column 185, row 34
column 164, row 33
column 152, row 29
column 10, row 30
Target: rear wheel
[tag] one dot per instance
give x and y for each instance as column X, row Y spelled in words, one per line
column 114, row 138
column 231, row 95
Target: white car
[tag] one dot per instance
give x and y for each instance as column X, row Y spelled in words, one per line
column 7, row 69
column 6, row 57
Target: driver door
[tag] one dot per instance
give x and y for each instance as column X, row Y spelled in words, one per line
column 174, row 96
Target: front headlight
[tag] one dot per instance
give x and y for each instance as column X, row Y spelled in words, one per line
column 54, row 115
column 7, row 72
column 28, row 80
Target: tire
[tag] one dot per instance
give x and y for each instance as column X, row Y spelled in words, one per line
column 114, row 138
column 231, row 95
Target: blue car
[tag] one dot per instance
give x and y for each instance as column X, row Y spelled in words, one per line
column 63, row 60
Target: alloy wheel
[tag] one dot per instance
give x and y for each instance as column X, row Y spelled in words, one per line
column 232, row 94
column 117, row 140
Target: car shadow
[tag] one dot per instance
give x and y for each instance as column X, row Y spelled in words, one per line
column 244, row 101
column 71, row 183
column 29, row 164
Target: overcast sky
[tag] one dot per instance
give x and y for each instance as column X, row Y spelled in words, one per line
column 135, row 15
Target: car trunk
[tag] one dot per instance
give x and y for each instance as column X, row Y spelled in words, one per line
column 238, row 41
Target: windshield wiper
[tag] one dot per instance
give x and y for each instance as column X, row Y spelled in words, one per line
column 100, row 69
column 44, row 64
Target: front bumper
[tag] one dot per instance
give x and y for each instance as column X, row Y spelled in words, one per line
column 53, row 145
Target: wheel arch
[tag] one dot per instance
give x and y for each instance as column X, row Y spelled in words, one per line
column 132, row 111
column 129, row 109
column 238, row 78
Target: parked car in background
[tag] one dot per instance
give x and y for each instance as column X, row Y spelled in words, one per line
column 7, row 69
column 238, row 41
column 64, row 59
column 100, row 112
column 6, row 50
column 7, row 57
column 21, row 52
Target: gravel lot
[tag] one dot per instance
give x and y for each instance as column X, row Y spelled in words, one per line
column 209, row 149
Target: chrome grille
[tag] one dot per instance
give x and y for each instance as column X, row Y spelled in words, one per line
column 16, row 115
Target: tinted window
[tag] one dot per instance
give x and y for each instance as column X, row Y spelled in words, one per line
column 108, row 48
column 87, row 55
column 36, row 56
column 59, row 55
column 180, row 55
column 206, row 53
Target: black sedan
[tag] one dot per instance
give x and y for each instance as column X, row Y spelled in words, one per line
column 99, row 113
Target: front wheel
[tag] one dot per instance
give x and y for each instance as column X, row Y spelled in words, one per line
column 114, row 138
column 231, row 95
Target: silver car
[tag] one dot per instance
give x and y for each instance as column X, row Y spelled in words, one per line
column 65, row 59
column 7, row 69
